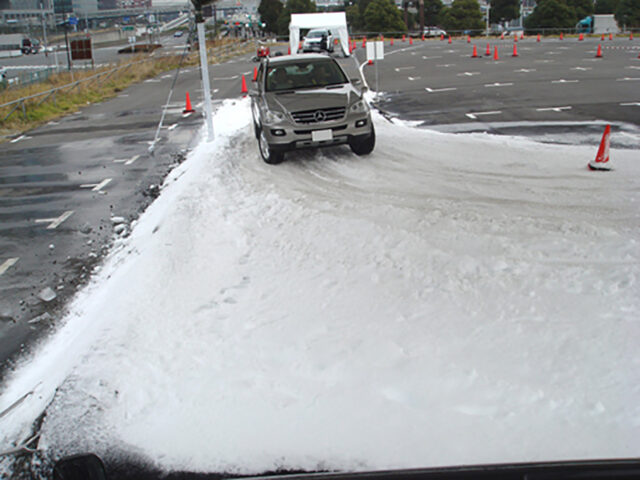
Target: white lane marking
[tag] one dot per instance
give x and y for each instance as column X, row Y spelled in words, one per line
column 21, row 137
column 55, row 222
column 10, row 262
column 172, row 127
column 53, row 123
column 627, row 79
column 132, row 159
column 552, row 109
column 446, row 65
column 226, row 78
column 562, row 80
column 167, row 76
column 411, row 79
column 544, row 61
column 468, row 74
column 630, row 104
column 633, row 66
column 124, row 95
column 152, row 80
column 525, row 70
column 583, row 69
column 96, row 187
column 431, row 58
column 489, row 85
column 186, row 115
column 216, row 90
column 403, row 68
column 436, row 90
column 474, row 115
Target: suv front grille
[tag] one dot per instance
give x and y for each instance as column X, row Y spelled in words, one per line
column 315, row 116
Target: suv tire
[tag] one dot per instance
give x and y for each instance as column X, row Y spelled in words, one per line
column 267, row 152
column 363, row 144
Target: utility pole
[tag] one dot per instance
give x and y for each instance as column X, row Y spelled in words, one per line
column 488, row 15
column 204, row 65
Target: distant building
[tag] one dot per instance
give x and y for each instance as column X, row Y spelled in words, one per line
column 83, row 7
column 107, row 4
column 134, row 3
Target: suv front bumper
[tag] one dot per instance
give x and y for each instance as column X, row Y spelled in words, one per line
column 286, row 136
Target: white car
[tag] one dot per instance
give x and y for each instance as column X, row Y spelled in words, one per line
column 433, row 32
column 317, row 40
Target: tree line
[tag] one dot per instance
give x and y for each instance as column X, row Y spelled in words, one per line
column 462, row 15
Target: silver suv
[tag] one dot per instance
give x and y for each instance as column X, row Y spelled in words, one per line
column 306, row 101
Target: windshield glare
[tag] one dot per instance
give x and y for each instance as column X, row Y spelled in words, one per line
column 304, row 74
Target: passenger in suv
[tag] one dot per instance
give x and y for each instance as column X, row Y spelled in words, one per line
column 305, row 102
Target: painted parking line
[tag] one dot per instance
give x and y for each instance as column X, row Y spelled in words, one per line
column 437, row 90
column 562, row 80
column 96, row 187
column 627, row 79
column 411, row 79
column 127, row 161
column 430, row 58
column 7, row 264
column 474, row 115
column 583, row 69
column 630, row 104
column 633, row 66
column 225, row 78
column 21, row 137
column 398, row 69
column 172, row 127
column 468, row 74
column 553, row 109
column 525, row 70
column 497, row 84
column 55, row 222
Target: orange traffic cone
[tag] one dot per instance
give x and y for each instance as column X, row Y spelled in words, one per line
column 631, row 36
column 475, row 52
column 522, row 36
column 255, row 73
column 188, row 108
column 601, row 162
column 244, row 85
column 502, row 36
column 581, row 37
column 289, row 50
column 410, row 40
column 599, row 52
column 488, row 52
column 450, row 39
column 602, row 38
column 538, row 39
column 391, row 41
column 515, row 39
column 423, row 37
column 611, row 36
column 561, row 36
column 495, row 54
column 364, row 42
column 468, row 38
column 515, row 50
column 404, row 37
column 441, row 36
column 370, row 62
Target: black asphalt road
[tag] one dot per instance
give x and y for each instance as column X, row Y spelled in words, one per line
column 555, row 80
column 60, row 186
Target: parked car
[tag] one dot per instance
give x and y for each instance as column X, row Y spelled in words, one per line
column 318, row 40
column 305, row 102
column 433, row 32
column 178, row 33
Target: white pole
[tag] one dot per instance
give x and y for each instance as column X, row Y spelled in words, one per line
column 204, row 66
column 488, row 12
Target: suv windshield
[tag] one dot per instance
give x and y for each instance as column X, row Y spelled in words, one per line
column 304, row 74
column 316, row 33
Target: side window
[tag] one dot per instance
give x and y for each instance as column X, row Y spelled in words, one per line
column 260, row 78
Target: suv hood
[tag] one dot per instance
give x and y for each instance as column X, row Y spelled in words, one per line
column 310, row 99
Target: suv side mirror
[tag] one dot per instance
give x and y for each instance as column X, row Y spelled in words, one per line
column 355, row 80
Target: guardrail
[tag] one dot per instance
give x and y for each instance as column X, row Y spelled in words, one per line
column 21, row 103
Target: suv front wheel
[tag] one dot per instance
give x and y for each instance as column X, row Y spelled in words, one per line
column 268, row 154
column 363, row 144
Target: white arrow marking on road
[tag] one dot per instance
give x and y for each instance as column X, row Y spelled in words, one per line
column 552, row 109
column 403, row 68
column 562, row 80
column 584, row 69
column 8, row 264
column 525, row 70
column 468, row 74
column 436, row 90
column 132, row 159
column 55, row 222
column 627, row 79
column 489, row 85
column 631, row 104
column 474, row 115
column 411, row 79
column 96, row 187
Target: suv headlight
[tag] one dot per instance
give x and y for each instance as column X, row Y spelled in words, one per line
column 359, row 107
column 273, row 116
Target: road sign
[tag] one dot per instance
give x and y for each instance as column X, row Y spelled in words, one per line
column 72, row 20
